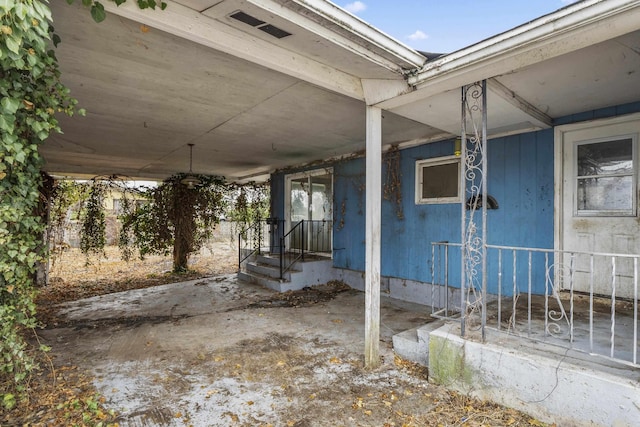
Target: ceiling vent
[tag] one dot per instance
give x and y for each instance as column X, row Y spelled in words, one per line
column 272, row 30
column 247, row 19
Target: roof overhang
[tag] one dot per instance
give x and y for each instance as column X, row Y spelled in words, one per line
column 578, row 58
column 155, row 81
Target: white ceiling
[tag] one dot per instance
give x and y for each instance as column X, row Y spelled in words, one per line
column 149, row 93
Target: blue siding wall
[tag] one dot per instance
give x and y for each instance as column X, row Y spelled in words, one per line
column 406, row 243
column 348, row 214
column 520, row 178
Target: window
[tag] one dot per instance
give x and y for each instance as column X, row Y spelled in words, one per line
column 605, row 177
column 438, row 180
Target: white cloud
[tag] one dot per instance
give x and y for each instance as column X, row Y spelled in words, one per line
column 418, row 35
column 355, row 7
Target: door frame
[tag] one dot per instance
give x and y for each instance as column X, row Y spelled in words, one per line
column 560, row 181
column 287, row 196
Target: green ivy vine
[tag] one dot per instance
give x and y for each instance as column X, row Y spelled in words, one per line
column 98, row 13
column 31, row 93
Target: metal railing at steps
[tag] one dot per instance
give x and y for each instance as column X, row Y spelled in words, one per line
column 305, row 237
column 290, row 257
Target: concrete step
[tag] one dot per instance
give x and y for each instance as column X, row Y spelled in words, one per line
column 413, row 344
column 262, row 280
column 267, row 270
column 269, row 259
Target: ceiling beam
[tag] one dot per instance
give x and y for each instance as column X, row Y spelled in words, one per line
column 189, row 24
column 520, row 103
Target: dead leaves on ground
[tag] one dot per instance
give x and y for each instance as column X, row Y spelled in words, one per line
column 64, row 396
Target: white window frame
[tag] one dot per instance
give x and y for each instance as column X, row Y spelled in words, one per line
column 420, row 165
column 634, row 178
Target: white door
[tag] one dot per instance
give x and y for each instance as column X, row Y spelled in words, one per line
column 599, row 203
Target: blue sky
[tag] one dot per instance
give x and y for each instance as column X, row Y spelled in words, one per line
column 444, row 26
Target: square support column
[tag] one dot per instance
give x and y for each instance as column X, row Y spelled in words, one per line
column 372, row 236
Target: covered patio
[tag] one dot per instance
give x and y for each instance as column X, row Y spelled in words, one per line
column 273, row 86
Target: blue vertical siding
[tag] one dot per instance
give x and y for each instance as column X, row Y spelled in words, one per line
column 618, row 110
column 348, row 214
column 406, row 243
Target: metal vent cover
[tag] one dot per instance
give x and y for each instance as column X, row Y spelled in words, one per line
column 270, row 29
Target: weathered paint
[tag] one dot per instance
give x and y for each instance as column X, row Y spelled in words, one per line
column 372, row 239
column 521, row 179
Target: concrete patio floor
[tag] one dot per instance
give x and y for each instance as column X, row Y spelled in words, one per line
column 216, row 352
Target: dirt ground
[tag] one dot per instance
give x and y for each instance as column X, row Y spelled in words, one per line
column 215, row 352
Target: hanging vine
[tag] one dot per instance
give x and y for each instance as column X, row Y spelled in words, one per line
column 92, row 220
column 176, row 219
column 65, row 195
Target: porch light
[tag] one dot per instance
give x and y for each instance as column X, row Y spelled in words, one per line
column 457, row 146
column 190, row 180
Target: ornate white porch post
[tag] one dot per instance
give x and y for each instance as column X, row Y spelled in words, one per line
column 474, row 206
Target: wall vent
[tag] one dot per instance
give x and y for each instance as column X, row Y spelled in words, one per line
column 272, row 30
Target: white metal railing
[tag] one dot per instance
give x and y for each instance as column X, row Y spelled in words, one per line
column 579, row 300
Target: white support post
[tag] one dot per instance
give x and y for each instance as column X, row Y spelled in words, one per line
column 372, row 236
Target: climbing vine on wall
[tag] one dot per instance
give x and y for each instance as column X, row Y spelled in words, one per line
column 392, row 187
